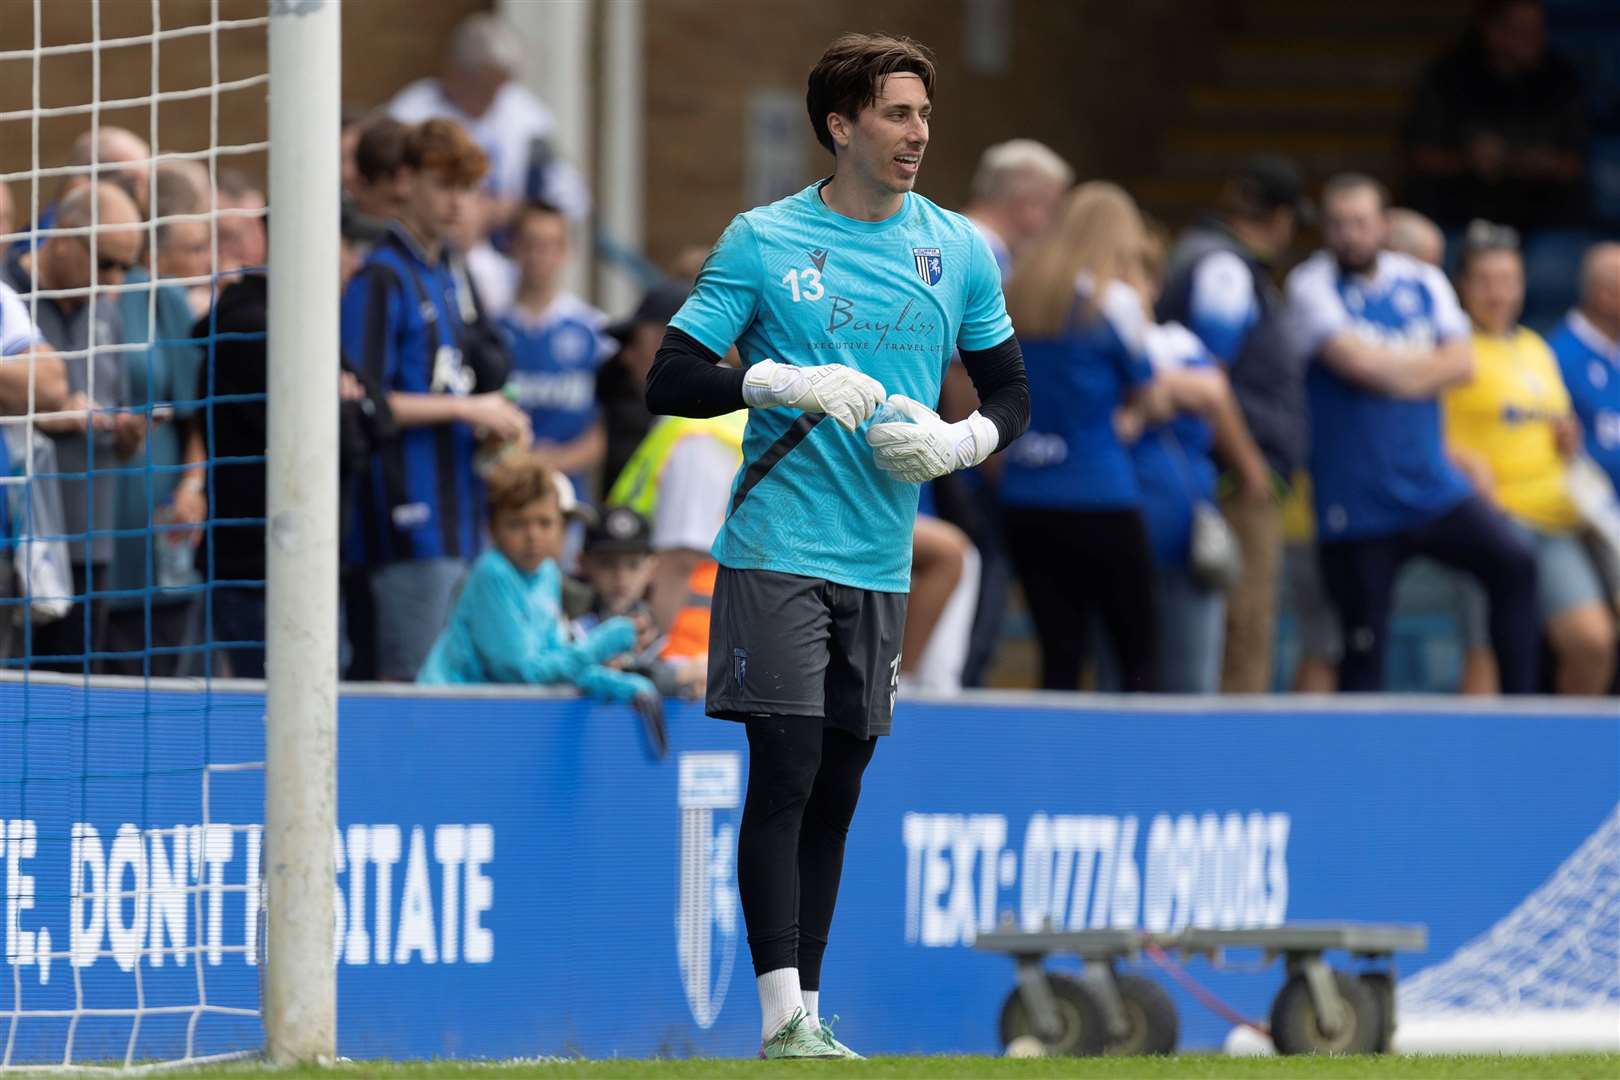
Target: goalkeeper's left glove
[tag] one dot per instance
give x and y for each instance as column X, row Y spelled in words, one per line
column 922, row 447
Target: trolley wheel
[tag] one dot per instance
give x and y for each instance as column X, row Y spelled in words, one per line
column 1151, row 1024
column 1382, row 988
column 1081, row 1030
column 1296, row 1030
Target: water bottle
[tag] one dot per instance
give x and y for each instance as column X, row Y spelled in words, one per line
column 176, row 565
column 888, row 414
column 490, row 451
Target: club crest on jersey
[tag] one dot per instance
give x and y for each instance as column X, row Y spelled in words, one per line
column 929, row 265
column 819, row 257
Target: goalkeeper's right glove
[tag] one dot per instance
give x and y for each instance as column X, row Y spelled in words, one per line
column 843, row 393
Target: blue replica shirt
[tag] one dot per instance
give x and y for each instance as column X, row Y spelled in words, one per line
column 554, row 362
column 421, row 497
column 1590, row 363
column 1173, row 465
column 1070, row 458
column 1222, row 305
column 1378, row 463
column 797, row 283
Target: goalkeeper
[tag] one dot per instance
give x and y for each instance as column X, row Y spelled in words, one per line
column 852, row 292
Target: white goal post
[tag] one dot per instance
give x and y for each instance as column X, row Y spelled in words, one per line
column 300, row 987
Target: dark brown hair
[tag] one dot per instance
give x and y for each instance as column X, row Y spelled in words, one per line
column 850, row 73
column 535, row 208
column 518, row 479
column 380, row 150
column 443, row 147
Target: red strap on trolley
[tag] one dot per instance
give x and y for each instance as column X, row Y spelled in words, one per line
column 1204, row 997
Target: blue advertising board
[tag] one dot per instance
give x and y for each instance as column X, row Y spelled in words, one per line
column 517, row 878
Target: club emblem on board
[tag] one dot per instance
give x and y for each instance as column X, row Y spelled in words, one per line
column 706, row 911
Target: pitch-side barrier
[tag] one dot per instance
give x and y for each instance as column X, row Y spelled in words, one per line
column 516, row 877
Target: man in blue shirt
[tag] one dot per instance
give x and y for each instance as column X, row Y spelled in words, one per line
column 1588, row 349
column 854, row 290
column 1386, row 335
column 557, row 345
column 418, row 509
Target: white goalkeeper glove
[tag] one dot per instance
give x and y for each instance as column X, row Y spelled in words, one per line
column 841, row 392
column 918, row 446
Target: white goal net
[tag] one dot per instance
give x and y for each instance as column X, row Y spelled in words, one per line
column 133, row 140
column 1547, row 974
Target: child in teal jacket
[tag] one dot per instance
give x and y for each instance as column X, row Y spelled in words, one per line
column 508, row 625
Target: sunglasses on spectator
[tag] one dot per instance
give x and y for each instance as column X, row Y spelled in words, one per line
column 107, row 263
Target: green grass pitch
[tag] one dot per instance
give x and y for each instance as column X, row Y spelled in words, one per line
column 1185, row 1067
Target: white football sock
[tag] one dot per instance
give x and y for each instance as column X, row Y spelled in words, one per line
column 812, row 1000
column 778, row 999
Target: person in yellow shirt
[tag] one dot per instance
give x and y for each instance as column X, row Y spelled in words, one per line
column 1512, row 428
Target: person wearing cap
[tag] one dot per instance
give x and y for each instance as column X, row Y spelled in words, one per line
column 621, row 382
column 478, row 89
column 507, row 625
column 558, row 345
column 617, row 565
column 1218, row 285
column 617, row 561
column 680, row 477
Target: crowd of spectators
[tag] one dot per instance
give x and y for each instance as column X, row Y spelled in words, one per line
column 1216, row 447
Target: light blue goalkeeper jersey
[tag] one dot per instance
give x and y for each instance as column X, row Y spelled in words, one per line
column 797, row 283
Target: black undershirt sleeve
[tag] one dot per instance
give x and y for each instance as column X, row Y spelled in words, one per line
column 998, row 376
column 687, row 379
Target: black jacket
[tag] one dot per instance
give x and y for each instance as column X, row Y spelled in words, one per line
column 233, row 335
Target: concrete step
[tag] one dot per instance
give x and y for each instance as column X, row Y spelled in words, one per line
column 1442, row 18
column 1291, row 108
column 1372, row 61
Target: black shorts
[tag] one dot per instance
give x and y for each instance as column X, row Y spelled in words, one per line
column 784, row 645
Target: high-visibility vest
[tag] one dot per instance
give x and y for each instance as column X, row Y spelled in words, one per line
column 637, row 485
column 637, row 488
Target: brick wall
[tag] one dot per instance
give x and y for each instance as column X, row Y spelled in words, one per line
column 1076, row 80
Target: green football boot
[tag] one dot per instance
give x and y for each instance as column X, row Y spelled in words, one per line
column 799, row 1037
column 827, row 1037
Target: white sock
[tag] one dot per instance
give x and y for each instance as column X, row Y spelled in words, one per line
column 778, row 999
column 812, row 1000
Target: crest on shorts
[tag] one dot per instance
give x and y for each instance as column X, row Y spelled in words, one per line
column 706, row 911
column 930, row 267
column 739, row 666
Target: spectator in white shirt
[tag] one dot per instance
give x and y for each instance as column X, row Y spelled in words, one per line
column 478, row 89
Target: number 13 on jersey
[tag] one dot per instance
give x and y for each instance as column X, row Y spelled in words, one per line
column 804, row 284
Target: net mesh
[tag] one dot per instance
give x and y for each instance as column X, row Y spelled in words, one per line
column 1560, row 949
column 129, row 802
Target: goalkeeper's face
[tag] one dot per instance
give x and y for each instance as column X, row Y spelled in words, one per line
column 530, row 534
column 884, row 144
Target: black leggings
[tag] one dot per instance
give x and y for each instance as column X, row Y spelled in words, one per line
column 804, row 780
column 1359, row 576
column 1074, row 563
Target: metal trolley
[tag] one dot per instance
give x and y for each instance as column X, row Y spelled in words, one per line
column 1318, row 1010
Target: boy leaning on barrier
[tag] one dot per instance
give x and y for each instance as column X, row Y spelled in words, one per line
column 617, row 570
column 507, row 624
